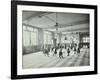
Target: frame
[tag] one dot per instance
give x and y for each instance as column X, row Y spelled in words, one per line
column 19, row 8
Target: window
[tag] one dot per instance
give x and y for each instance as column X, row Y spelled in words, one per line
column 47, row 37
column 34, row 40
column 26, row 38
column 30, row 29
column 86, row 39
column 30, row 36
column 57, row 37
column 63, row 39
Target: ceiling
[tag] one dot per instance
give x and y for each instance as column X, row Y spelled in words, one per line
column 67, row 22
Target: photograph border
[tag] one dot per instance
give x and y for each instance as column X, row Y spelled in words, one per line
column 14, row 4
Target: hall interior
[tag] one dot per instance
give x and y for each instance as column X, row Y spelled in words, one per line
column 55, row 39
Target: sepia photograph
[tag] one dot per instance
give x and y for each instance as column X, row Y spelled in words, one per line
column 55, row 39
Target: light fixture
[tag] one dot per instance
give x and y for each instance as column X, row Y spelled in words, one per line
column 65, row 38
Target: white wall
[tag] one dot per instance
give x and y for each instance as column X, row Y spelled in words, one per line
column 5, row 30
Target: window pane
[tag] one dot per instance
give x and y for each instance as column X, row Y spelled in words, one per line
column 34, row 40
column 24, row 27
column 86, row 39
column 26, row 38
column 62, row 39
column 35, row 30
column 30, row 37
column 29, row 28
column 47, row 37
column 57, row 38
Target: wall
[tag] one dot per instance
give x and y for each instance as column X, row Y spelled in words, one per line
column 35, row 48
column 5, row 41
column 81, row 39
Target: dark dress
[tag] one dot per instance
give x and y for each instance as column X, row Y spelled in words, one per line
column 78, row 50
column 46, row 52
column 68, row 51
column 75, row 50
column 60, row 54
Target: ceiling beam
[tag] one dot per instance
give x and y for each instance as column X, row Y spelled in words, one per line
column 77, row 29
column 69, row 24
column 31, row 26
column 38, row 14
column 70, row 30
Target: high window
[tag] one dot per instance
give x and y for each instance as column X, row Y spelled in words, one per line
column 30, row 36
column 86, row 39
column 47, row 37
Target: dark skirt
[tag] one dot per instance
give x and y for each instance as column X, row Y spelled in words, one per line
column 60, row 53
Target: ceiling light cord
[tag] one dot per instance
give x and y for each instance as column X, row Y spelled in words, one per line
column 56, row 23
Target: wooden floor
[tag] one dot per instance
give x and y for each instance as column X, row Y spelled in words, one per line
column 39, row 60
